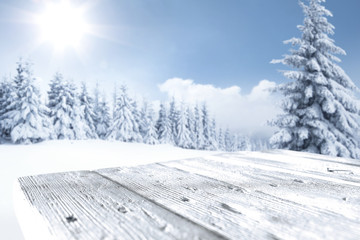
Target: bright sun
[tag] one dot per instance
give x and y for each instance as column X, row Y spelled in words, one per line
column 63, row 25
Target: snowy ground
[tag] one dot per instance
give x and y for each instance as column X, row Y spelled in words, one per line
column 59, row 156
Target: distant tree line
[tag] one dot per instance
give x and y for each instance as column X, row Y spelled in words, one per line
column 75, row 115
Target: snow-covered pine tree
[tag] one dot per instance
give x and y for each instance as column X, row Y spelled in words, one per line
column 228, row 141
column 209, row 141
column 87, row 107
column 190, row 124
column 96, row 108
column 26, row 118
column 65, row 113
column 237, row 142
column 213, row 136
column 96, row 95
column 54, row 92
column 220, row 140
column 243, row 143
column 114, row 101
column 2, row 106
column 142, row 118
column 7, row 96
column 137, row 116
column 124, row 122
column 173, row 116
column 198, row 129
column 249, row 145
column 163, row 126
column 103, row 118
column 321, row 113
column 260, row 144
column 149, row 130
column 183, row 139
column 206, row 126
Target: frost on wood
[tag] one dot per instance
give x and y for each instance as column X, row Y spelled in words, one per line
column 321, row 112
column 246, row 195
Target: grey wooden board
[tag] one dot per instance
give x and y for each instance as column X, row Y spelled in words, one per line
column 232, row 210
column 344, row 199
column 318, row 165
column 234, row 196
column 102, row 209
column 324, row 208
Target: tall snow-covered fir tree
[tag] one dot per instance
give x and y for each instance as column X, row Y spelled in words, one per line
column 163, row 126
column 209, row 141
column 148, row 124
column 65, row 113
column 183, row 138
column 114, row 100
column 321, row 113
column 26, row 116
column 243, row 143
column 7, row 96
column 198, row 129
column 103, row 118
column 137, row 116
column 190, row 124
column 142, row 118
column 206, row 125
column 213, row 136
column 96, row 108
column 228, row 141
column 124, row 127
column 87, row 107
column 220, row 140
column 173, row 116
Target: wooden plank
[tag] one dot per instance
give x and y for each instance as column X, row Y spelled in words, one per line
column 230, row 209
column 85, row 205
column 340, row 200
column 181, row 193
column 317, row 157
column 336, row 168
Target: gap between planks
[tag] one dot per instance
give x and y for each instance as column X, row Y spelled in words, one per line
column 215, row 234
column 271, row 213
column 101, row 209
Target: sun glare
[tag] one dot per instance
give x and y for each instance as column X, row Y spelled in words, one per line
column 63, row 25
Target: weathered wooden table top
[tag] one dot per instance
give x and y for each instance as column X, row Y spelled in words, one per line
column 271, row 195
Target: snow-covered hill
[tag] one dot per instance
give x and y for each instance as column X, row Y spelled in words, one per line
column 59, row 156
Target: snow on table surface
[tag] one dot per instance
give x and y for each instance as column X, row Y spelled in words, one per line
column 244, row 195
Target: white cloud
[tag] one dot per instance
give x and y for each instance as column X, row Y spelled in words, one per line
column 246, row 113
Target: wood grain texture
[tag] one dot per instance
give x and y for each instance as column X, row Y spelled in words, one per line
column 189, row 195
column 344, row 171
column 84, row 205
column 245, row 195
column 301, row 189
column 226, row 205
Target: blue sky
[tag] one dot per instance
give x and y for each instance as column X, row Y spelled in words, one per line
column 217, row 44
